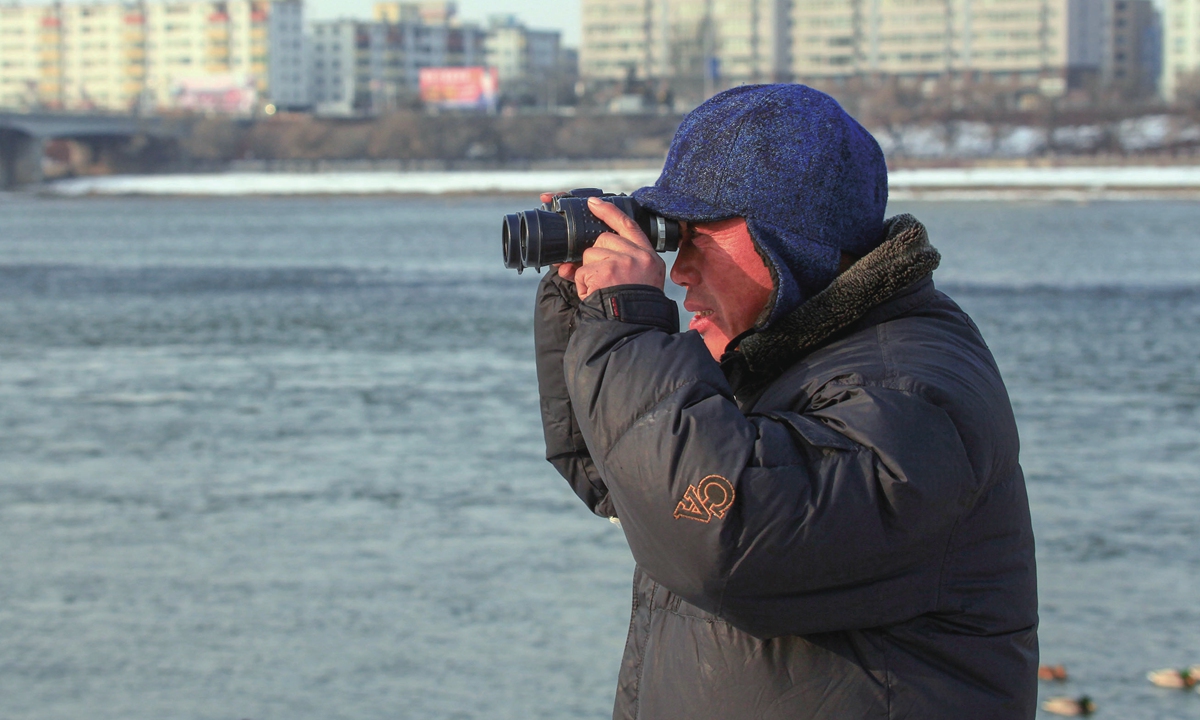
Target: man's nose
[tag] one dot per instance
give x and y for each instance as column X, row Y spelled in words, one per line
column 682, row 271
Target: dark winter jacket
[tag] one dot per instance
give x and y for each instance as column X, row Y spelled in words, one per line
column 832, row 523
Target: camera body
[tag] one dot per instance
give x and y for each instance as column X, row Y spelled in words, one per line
column 562, row 229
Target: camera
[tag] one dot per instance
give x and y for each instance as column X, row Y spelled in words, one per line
column 562, row 229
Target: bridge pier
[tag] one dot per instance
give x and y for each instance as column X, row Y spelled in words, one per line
column 20, row 159
column 120, row 142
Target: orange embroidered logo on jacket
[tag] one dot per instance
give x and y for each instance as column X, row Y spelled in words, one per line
column 709, row 498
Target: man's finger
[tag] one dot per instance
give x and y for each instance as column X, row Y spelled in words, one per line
column 567, row 270
column 619, row 221
column 616, row 243
column 597, row 254
column 581, row 283
column 548, row 196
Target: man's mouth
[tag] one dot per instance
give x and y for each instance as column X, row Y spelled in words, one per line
column 701, row 321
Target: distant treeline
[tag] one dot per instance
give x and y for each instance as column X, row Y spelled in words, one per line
column 514, row 140
column 415, row 140
column 418, row 136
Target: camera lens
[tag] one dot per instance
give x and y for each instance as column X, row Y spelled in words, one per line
column 543, row 238
column 566, row 227
column 512, row 242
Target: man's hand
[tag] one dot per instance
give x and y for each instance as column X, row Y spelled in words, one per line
column 623, row 257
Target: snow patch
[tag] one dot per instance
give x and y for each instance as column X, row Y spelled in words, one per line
column 432, row 183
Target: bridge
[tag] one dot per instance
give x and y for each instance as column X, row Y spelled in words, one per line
column 23, row 138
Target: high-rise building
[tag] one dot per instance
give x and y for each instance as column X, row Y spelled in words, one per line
column 727, row 42
column 521, row 54
column 532, row 66
column 622, row 37
column 287, row 61
column 71, row 56
column 1131, row 52
column 719, row 42
column 102, row 56
column 435, row 12
column 1049, row 46
column 120, row 56
column 1181, row 48
column 333, row 70
column 366, row 67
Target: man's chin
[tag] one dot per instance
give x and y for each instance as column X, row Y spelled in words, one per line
column 715, row 341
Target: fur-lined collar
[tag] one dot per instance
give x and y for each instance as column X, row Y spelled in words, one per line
column 901, row 260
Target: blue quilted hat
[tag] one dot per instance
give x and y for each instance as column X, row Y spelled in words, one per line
column 810, row 181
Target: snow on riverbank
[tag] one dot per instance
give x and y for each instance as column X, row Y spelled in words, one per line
column 358, row 183
column 1073, row 177
column 942, row 183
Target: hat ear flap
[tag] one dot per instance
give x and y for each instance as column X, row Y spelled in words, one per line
column 784, row 291
column 800, row 268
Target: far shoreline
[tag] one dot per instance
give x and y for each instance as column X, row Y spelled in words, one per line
column 977, row 183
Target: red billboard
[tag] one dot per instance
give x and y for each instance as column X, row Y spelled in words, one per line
column 460, row 88
column 225, row 94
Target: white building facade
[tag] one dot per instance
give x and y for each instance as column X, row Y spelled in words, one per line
column 1049, row 46
column 122, row 56
column 521, row 54
column 1181, row 48
column 726, row 41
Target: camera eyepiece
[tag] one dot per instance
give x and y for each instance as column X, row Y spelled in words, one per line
column 562, row 229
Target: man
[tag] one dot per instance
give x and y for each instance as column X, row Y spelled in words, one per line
column 819, row 483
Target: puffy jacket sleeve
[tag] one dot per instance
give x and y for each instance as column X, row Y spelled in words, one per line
column 836, row 518
column 556, row 311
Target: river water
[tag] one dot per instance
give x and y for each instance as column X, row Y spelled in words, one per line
column 281, row 458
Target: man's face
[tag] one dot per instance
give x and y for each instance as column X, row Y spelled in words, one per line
column 727, row 282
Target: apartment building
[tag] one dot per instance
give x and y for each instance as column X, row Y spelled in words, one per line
column 71, row 56
column 1050, row 44
column 256, row 39
column 1047, row 45
column 434, row 12
column 121, row 56
column 623, row 37
column 365, row 67
column 1181, row 48
column 286, row 59
column 521, row 54
column 1131, row 56
column 361, row 67
column 101, row 56
column 30, row 56
column 723, row 42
